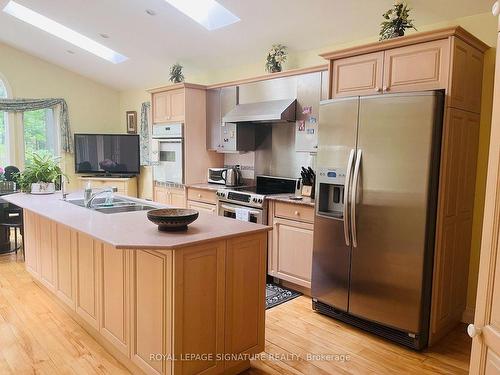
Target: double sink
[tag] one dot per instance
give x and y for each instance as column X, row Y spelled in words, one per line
column 118, row 205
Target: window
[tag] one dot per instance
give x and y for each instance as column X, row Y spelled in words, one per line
column 4, row 141
column 39, row 134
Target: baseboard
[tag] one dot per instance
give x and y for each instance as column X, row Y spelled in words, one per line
column 468, row 315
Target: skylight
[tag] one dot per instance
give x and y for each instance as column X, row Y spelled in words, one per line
column 52, row 27
column 208, row 13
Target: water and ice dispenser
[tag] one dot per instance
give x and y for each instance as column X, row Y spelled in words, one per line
column 330, row 194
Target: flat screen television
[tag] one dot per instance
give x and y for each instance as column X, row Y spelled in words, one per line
column 107, row 153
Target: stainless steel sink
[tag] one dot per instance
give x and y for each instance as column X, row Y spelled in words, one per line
column 118, row 205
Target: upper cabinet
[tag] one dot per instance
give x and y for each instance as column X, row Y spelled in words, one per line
column 450, row 59
column 168, row 106
column 417, row 67
column 358, row 75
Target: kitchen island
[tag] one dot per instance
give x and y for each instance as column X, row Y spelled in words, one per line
column 162, row 303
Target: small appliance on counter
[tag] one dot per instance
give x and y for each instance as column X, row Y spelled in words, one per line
column 217, row 176
column 230, row 177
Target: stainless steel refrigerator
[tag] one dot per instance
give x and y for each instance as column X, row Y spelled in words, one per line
column 377, row 182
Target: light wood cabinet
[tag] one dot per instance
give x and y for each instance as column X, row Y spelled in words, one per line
column 290, row 245
column 202, row 207
column 124, row 186
column 168, row 106
column 467, row 65
column 172, row 196
column 114, row 297
column 151, row 313
column 358, row 75
column 201, row 195
column 87, row 279
column 64, row 244
column 31, row 251
column 423, row 66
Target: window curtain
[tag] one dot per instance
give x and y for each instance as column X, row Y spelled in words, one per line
column 23, row 105
column 144, row 134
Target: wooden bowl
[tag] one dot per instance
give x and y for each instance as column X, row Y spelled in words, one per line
column 172, row 219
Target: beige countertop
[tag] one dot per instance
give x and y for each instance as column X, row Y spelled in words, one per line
column 305, row 201
column 207, row 186
column 131, row 230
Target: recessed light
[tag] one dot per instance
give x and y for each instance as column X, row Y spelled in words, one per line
column 105, row 36
column 151, row 12
column 52, row 27
column 208, row 13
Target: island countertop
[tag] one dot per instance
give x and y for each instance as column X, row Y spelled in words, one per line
column 131, row 230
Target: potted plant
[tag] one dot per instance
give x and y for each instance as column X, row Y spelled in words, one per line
column 176, row 75
column 396, row 21
column 40, row 175
column 275, row 58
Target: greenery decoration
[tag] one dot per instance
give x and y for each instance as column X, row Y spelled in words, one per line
column 275, row 58
column 396, row 21
column 176, row 75
column 42, row 168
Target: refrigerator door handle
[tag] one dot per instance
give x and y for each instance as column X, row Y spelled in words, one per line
column 346, row 197
column 354, row 193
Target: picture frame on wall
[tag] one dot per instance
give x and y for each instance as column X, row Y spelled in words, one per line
column 131, row 122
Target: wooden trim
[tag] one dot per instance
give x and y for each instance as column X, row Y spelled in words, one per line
column 176, row 86
column 415, row 38
column 286, row 73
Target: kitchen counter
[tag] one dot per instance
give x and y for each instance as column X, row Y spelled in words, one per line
column 131, row 230
column 149, row 296
column 305, row 201
column 207, row 186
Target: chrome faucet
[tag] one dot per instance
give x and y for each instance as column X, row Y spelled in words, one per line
column 63, row 189
column 93, row 196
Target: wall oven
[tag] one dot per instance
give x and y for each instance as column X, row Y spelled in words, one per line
column 167, row 153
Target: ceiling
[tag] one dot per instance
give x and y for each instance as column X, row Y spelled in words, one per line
column 152, row 43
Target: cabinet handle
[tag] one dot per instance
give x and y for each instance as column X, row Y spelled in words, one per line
column 377, row 89
column 297, row 213
column 199, row 195
column 386, row 88
column 472, row 331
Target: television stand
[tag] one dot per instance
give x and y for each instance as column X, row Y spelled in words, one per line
column 124, row 185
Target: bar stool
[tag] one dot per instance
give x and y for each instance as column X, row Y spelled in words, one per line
column 12, row 218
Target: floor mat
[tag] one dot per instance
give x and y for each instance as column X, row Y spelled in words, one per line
column 276, row 295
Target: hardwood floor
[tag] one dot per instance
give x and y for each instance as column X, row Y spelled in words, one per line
column 38, row 337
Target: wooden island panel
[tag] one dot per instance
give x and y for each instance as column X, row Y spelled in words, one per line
column 200, row 304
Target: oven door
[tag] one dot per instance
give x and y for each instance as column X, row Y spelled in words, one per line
column 229, row 210
column 169, row 160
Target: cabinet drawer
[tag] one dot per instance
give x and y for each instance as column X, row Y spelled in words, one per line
column 201, row 195
column 203, row 207
column 422, row 66
column 294, row 212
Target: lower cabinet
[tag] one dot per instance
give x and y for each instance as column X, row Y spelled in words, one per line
column 203, row 207
column 172, row 196
column 291, row 243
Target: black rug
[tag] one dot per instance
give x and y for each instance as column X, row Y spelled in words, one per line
column 276, row 295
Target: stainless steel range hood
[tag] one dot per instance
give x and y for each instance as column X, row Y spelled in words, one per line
column 269, row 111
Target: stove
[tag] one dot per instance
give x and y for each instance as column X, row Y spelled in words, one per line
column 249, row 203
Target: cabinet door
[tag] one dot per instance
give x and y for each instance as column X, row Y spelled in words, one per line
column 467, row 73
column 115, row 297
column 417, row 67
column 358, row 75
column 65, row 239
column 151, row 318
column 177, row 198
column 213, row 119
column 31, row 251
column 47, row 253
column 292, row 247
column 203, row 207
column 176, row 105
column 161, row 107
column 87, row 282
column 160, row 195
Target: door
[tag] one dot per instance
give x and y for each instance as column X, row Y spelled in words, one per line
column 176, row 105
column 394, row 178
column 331, row 248
column 358, row 75
column 161, row 107
column 485, row 357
